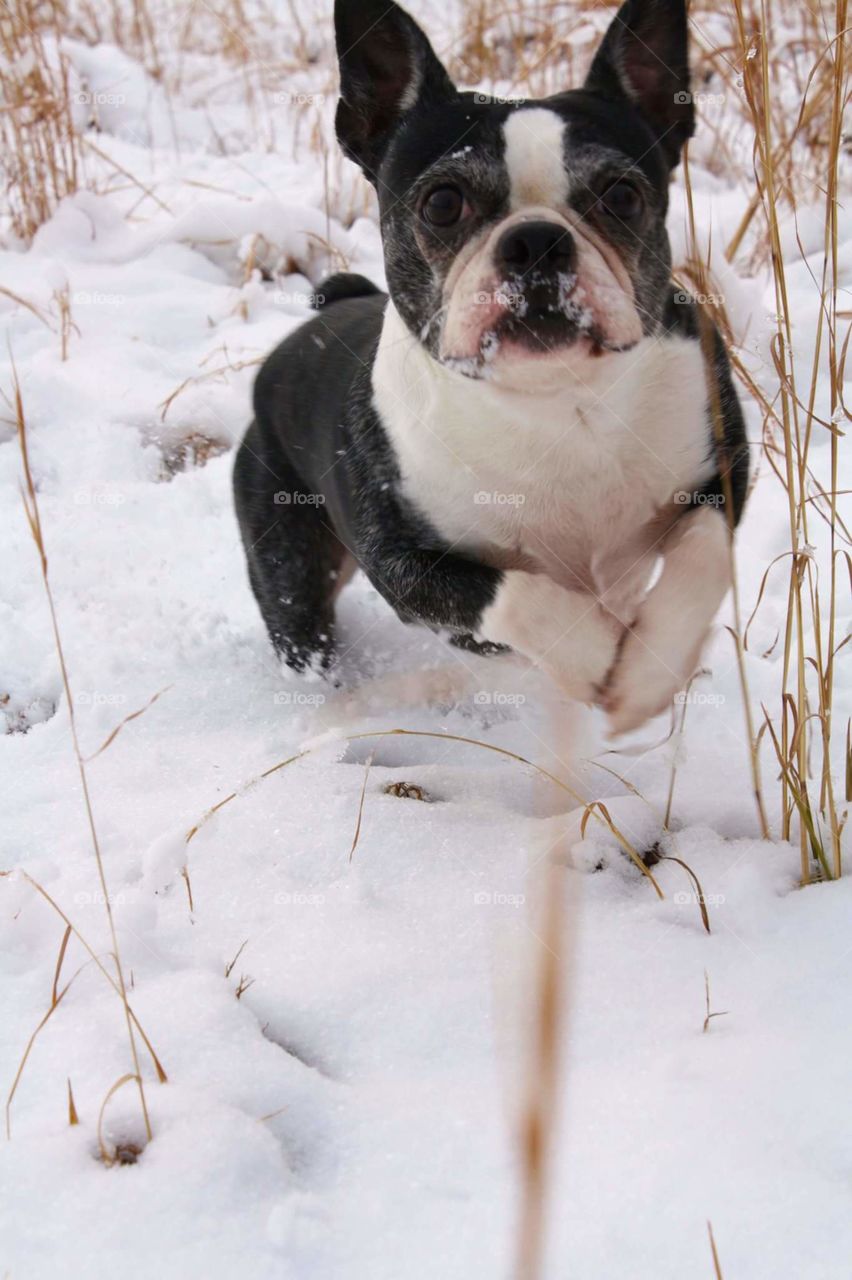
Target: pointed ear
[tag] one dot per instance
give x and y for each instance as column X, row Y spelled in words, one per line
column 386, row 65
column 644, row 57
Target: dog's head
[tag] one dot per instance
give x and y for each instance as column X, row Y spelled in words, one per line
column 519, row 235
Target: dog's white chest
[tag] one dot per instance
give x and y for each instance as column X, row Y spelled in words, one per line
column 570, row 481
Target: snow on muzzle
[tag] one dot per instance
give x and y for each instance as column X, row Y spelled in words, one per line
column 495, row 303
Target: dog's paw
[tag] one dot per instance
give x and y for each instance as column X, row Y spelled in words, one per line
column 581, row 659
column 565, row 633
column 644, row 683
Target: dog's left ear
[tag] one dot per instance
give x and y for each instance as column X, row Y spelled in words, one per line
column 386, row 66
column 644, row 57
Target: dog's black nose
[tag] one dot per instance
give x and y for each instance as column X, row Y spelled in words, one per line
column 536, row 246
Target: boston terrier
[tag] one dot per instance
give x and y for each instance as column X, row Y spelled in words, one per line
column 528, row 443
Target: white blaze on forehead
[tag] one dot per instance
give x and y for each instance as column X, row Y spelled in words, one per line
column 534, row 158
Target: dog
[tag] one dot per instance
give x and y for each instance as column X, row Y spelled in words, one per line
column 532, row 442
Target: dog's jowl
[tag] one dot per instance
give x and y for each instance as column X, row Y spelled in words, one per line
column 532, row 422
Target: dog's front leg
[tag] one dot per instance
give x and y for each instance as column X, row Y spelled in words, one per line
column 661, row 649
column 565, row 633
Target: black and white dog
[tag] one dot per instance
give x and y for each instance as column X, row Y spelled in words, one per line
column 510, row 442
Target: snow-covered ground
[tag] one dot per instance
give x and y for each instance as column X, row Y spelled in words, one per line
column 344, row 1037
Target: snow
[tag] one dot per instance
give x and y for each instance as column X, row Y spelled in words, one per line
column 354, row 1112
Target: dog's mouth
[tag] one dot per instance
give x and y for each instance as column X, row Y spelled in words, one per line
column 536, row 315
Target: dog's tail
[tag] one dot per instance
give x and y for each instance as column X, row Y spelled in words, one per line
column 343, row 284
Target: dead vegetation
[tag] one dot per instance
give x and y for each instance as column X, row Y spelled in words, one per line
column 40, row 147
column 782, row 71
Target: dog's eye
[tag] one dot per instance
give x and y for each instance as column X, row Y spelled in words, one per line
column 623, row 201
column 443, row 207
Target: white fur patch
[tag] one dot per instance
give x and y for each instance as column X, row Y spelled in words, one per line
column 567, row 477
column 535, row 162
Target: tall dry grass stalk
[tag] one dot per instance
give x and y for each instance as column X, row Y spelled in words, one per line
column 541, row 1102
column 717, row 1266
column 39, row 147
column 800, row 726
column 34, row 520
column 554, row 935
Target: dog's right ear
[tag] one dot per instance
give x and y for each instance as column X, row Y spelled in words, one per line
column 386, row 66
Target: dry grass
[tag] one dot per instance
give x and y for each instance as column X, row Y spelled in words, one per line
column 717, row 1266
column 710, row 1014
column 357, row 836
column 34, row 520
column 539, row 1117
column 801, row 726
column 594, row 810
column 116, row 980
column 40, row 148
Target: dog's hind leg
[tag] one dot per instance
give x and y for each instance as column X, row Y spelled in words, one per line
column 295, row 561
